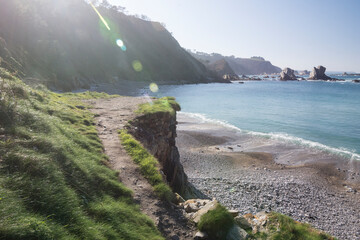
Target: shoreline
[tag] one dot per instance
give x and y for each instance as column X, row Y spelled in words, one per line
column 253, row 174
column 220, row 138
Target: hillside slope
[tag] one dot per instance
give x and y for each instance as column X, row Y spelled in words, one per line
column 247, row 66
column 54, row 179
column 66, row 45
column 221, row 67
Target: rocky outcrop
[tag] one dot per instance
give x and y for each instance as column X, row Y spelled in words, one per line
column 237, row 233
column 249, row 226
column 157, row 133
column 230, row 77
column 287, row 74
column 195, row 208
column 318, row 73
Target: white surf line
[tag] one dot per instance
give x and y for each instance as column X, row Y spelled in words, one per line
column 283, row 137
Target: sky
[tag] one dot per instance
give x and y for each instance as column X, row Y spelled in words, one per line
column 299, row 34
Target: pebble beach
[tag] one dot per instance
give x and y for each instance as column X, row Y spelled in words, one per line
column 252, row 175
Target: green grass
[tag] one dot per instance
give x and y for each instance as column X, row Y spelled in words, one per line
column 54, row 179
column 149, row 166
column 216, row 223
column 284, row 227
column 161, row 105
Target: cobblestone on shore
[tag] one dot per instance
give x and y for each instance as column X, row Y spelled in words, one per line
column 262, row 185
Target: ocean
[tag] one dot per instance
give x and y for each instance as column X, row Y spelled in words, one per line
column 315, row 114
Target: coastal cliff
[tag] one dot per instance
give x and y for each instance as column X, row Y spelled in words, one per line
column 70, row 51
column 157, row 132
column 155, row 127
column 240, row 66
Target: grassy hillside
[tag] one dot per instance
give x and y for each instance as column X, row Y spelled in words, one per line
column 65, row 45
column 54, row 179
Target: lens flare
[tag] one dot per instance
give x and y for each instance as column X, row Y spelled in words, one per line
column 154, row 87
column 101, row 17
column 137, row 66
column 119, row 42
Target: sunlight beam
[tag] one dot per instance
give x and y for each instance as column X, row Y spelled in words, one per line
column 101, row 17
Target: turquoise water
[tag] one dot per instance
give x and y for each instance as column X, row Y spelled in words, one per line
column 323, row 115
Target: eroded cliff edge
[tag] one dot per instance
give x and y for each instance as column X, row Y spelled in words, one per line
column 157, row 132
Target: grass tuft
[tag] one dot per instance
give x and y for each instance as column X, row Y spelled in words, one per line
column 164, row 105
column 148, row 164
column 293, row 230
column 216, row 223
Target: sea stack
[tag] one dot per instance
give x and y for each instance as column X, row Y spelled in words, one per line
column 318, row 73
column 287, row 74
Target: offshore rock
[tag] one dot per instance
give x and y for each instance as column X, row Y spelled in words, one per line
column 287, row 74
column 318, row 73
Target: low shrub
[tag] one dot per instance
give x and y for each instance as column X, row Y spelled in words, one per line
column 165, row 104
column 293, row 230
column 216, row 223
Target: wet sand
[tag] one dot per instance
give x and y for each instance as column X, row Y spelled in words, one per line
column 252, row 174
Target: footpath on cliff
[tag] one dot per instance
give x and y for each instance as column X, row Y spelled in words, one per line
column 112, row 115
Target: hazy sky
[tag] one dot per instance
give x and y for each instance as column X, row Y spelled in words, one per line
column 290, row 33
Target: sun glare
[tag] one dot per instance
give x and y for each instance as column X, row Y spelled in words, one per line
column 101, row 17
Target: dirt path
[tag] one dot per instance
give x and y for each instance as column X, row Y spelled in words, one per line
column 112, row 115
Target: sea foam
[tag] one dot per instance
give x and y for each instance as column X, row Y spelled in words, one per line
column 278, row 136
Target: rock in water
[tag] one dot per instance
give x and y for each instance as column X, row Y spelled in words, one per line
column 318, row 73
column 287, row 74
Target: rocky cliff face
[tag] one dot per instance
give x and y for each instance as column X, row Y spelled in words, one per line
column 247, row 66
column 157, row 132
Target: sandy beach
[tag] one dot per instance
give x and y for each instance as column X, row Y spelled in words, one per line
column 252, row 174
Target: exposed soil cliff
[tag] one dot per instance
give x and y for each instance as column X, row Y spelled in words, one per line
column 157, row 132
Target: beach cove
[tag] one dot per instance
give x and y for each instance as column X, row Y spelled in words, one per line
column 247, row 173
column 290, row 147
